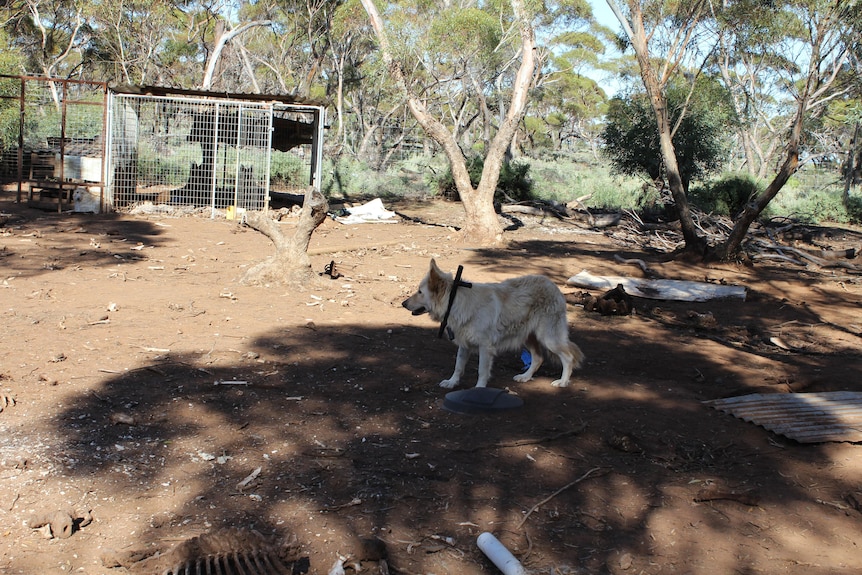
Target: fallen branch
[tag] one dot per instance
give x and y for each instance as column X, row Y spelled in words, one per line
column 712, row 494
column 555, row 493
column 821, row 262
column 579, row 202
column 667, row 289
column 640, row 263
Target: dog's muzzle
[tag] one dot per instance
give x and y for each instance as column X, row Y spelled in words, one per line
column 417, row 311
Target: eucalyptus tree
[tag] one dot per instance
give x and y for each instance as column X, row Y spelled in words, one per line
column 798, row 47
column 701, row 118
column 351, row 56
column 667, row 39
column 141, row 42
column 290, row 54
column 50, row 34
column 567, row 104
column 817, row 44
column 461, row 50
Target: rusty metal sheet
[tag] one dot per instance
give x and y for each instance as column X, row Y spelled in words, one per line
column 804, row 417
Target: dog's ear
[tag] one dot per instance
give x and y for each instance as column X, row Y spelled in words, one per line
column 436, row 279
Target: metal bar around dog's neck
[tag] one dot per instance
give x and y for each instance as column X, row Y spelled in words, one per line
column 455, row 285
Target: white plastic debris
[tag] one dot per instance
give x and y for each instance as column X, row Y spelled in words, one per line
column 499, row 555
column 370, row 212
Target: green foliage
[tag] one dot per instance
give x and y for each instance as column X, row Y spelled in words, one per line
column 537, row 133
column 726, row 196
column 814, row 197
column 701, row 141
column 465, row 33
column 287, row 169
column 854, row 210
column 347, row 177
column 566, row 177
column 514, row 183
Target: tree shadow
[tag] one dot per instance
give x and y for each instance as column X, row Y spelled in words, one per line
column 74, row 239
column 347, row 427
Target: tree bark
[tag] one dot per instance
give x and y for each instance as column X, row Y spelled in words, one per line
column 852, row 166
column 290, row 265
column 221, row 42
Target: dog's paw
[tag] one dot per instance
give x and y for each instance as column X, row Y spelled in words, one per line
column 560, row 383
column 448, row 383
column 522, row 378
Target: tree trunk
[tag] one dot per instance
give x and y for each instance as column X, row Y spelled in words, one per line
column 290, row 265
column 220, row 44
column 754, row 208
column 814, row 87
column 852, row 166
column 693, row 242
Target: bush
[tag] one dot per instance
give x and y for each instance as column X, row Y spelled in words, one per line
column 288, row 169
column 813, row 206
column 347, row 177
column 564, row 178
column 514, row 184
column 727, row 196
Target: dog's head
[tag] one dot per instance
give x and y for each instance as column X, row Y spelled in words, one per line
column 431, row 295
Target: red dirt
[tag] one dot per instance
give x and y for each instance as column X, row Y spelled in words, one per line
column 116, row 328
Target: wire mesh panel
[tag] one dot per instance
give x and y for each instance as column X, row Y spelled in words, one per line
column 52, row 137
column 186, row 152
column 295, row 162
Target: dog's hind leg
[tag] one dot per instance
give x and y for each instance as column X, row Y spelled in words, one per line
column 536, row 359
column 460, row 364
column 571, row 357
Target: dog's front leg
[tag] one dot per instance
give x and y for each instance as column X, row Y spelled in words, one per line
column 460, row 364
column 486, row 361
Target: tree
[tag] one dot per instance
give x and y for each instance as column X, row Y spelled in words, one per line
column 819, row 36
column 807, row 52
column 52, row 35
column 676, row 41
column 223, row 39
column 290, row 264
column 700, row 137
column 482, row 224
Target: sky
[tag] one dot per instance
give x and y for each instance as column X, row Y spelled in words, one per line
column 605, row 17
column 603, row 14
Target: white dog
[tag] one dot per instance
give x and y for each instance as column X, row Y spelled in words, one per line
column 493, row 318
column 85, row 201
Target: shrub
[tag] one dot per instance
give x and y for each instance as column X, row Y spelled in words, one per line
column 727, row 196
column 514, row 183
column 288, row 169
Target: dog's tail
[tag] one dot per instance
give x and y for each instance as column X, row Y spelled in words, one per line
column 577, row 355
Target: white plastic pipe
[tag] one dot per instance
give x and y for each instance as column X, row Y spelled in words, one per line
column 499, row 555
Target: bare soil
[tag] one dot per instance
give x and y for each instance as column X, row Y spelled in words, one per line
column 142, row 387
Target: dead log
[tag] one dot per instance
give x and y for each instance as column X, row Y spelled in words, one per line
column 522, row 209
column 290, row 265
column 848, row 254
column 678, row 290
column 818, row 261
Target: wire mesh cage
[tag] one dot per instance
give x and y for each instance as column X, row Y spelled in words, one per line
column 201, row 152
column 61, row 139
column 52, row 138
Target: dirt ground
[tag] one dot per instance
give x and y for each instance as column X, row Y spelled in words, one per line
column 117, row 329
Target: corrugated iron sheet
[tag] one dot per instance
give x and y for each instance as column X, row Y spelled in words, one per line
column 804, row 417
